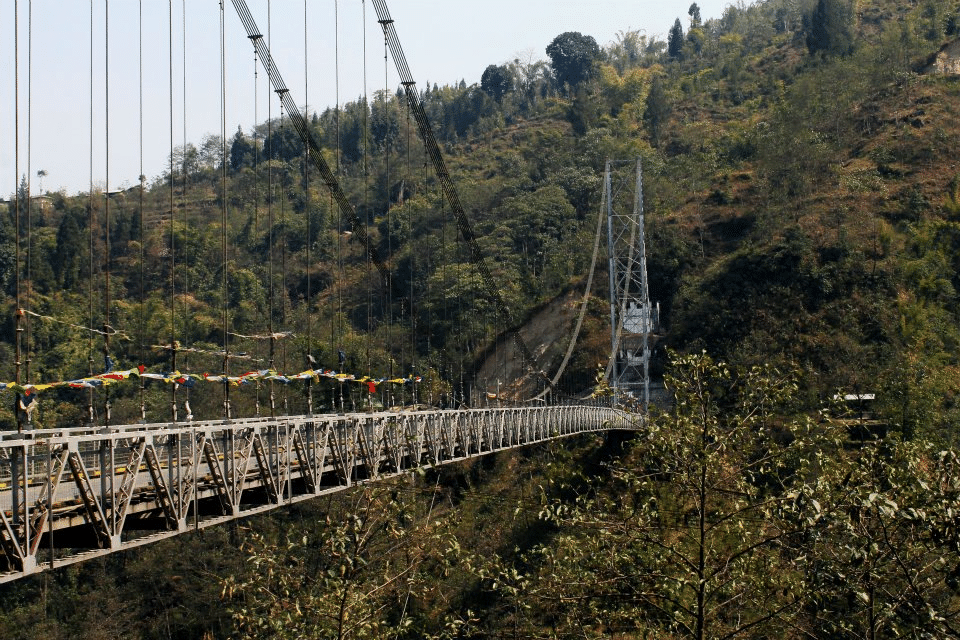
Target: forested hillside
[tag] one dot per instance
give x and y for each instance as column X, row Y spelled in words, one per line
column 802, row 193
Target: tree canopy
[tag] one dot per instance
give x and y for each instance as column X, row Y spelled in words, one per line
column 497, row 80
column 675, row 40
column 573, row 57
column 830, row 31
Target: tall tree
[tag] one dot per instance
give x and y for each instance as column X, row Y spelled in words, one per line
column 242, row 151
column 657, row 111
column 675, row 40
column 8, row 260
column 830, row 30
column 352, row 576
column 497, row 81
column 699, row 534
column 69, row 256
column 211, row 151
column 574, row 57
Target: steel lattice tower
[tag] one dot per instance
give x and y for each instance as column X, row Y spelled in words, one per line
column 632, row 316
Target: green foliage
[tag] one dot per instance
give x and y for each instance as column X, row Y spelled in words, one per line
column 799, row 212
column 657, row 110
column 729, row 517
column 675, row 40
column 360, row 573
column 8, row 254
column 830, row 32
column 692, row 533
column 497, row 81
column 282, row 143
column 243, row 151
column 573, row 57
column 884, row 560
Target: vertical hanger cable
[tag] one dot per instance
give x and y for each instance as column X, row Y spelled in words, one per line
column 140, row 320
column 306, row 194
column 225, row 318
column 173, row 247
column 28, row 301
column 106, row 204
column 270, row 222
column 91, row 219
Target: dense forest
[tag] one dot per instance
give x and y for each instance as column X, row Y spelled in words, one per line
column 802, row 198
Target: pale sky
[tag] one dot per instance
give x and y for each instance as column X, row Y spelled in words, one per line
column 444, row 42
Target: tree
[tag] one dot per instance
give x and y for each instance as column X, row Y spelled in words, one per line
column 353, row 134
column 385, row 118
column 675, row 40
column 573, row 57
column 211, row 151
column 8, row 256
column 657, row 111
column 885, row 560
column 626, row 51
column 694, row 13
column 23, row 201
column 532, row 77
column 542, row 218
column 349, row 576
column 497, row 81
column 282, row 143
column 185, row 160
column 829, row 31
column 584, row 111
column 699, row 532
column 242, row 151
column 69, row 256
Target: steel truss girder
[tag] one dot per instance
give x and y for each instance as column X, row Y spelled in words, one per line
column 72, row 494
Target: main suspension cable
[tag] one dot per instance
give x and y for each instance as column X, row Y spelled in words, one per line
column 300, row 125
column 583, row 303
column 443, row 175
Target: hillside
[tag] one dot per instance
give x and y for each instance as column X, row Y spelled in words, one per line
column 797, row 194
column 802, row 193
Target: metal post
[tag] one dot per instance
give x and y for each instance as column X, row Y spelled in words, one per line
column 611, row 257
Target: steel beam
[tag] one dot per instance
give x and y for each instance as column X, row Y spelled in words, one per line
column 64, row 498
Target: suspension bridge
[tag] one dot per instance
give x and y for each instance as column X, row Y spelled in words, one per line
column 71, row 493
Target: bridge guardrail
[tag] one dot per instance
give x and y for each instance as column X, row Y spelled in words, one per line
column 70, row 494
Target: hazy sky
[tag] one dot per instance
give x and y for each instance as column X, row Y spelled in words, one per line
column 69, row 125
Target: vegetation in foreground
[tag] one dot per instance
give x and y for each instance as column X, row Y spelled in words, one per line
column 731, row 515
column 802, row 199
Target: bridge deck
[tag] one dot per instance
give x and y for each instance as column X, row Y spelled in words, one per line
column 68, row 495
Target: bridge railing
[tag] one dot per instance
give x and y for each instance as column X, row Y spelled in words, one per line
column 69, row 494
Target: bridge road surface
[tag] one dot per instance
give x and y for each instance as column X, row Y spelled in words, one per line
column 71, row 494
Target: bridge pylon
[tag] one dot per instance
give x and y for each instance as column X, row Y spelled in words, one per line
column 633, row 318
